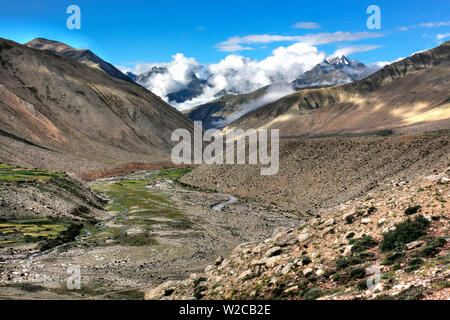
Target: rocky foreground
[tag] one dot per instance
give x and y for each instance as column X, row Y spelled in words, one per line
column 391, row 244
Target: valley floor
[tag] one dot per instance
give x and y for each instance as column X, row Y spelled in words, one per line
column 154, row 230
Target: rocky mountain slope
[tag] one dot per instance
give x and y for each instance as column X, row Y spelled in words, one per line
column 390, row 244
column 322, row 172
column 216, row 114
column 84, row 56
column 34, row 193
column 331, row 72
column 63, row 110
column 411, row 95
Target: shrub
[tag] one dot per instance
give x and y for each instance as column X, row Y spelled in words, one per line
column 306, row 260
column 414, row 264
column 393, row 258
column 362, row 285
column 357, row 273
column 313, row 294
column 350, row 219
column 412, row 210
column 432, row 247
column 405, row 232
column 349, row 274
column 412, row 293
column 198, row 292
column 198, row 281
column 397, row 266
column 345, row 262
column 362, row 244
column 350, row 235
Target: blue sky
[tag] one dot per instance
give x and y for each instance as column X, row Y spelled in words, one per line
column 127, row 32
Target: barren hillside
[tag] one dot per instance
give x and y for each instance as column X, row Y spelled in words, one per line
column 64, row 107
column 409, row 96
column 323, row 172
column 84, row 56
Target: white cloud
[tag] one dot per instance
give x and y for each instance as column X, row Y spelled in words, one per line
column 426, row 25
column 174, row 79
column 238, row 74
column 306, row 25
column 345, row 51
column 235, row 73
column 236, row 43
column 434, row 24
column 274, row 93
column 381, row 64
column 441, row 36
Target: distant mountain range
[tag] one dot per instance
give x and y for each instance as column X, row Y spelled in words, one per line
column 331, row 72
column 84, row 56
column 222, row 111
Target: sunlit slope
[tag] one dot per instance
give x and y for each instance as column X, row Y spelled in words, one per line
column 409, row 96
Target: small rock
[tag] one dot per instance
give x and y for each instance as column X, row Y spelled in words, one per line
column 348, row 250
column 303, row 237
column 245, row 275
column 327, row 230
column 218, row 261
column 329, row 222
column 275, row 251
column 378, row 287
column 292, row 290
column 415, row 244
column 208, row 268
column 193, row 276
column 307, row 271
column 272, row 261
column 366, row 221
column 381, row 221
column 287, row 268
column 319, row 272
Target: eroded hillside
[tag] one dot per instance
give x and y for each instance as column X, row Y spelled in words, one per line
column 317, row 173
column 410, row 96
column 59, row 104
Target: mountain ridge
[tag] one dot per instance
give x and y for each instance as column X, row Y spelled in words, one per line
column 88, row 119
column 411, row 92
column 84, row 56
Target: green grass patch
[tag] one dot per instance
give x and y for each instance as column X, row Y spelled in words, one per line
column 42, row 230
column 18, row 174
column 146, row 208
column 174, row 173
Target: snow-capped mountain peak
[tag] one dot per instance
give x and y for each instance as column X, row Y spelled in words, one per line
column 340, row 61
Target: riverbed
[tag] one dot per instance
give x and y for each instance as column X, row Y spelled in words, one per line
column 153, row 229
